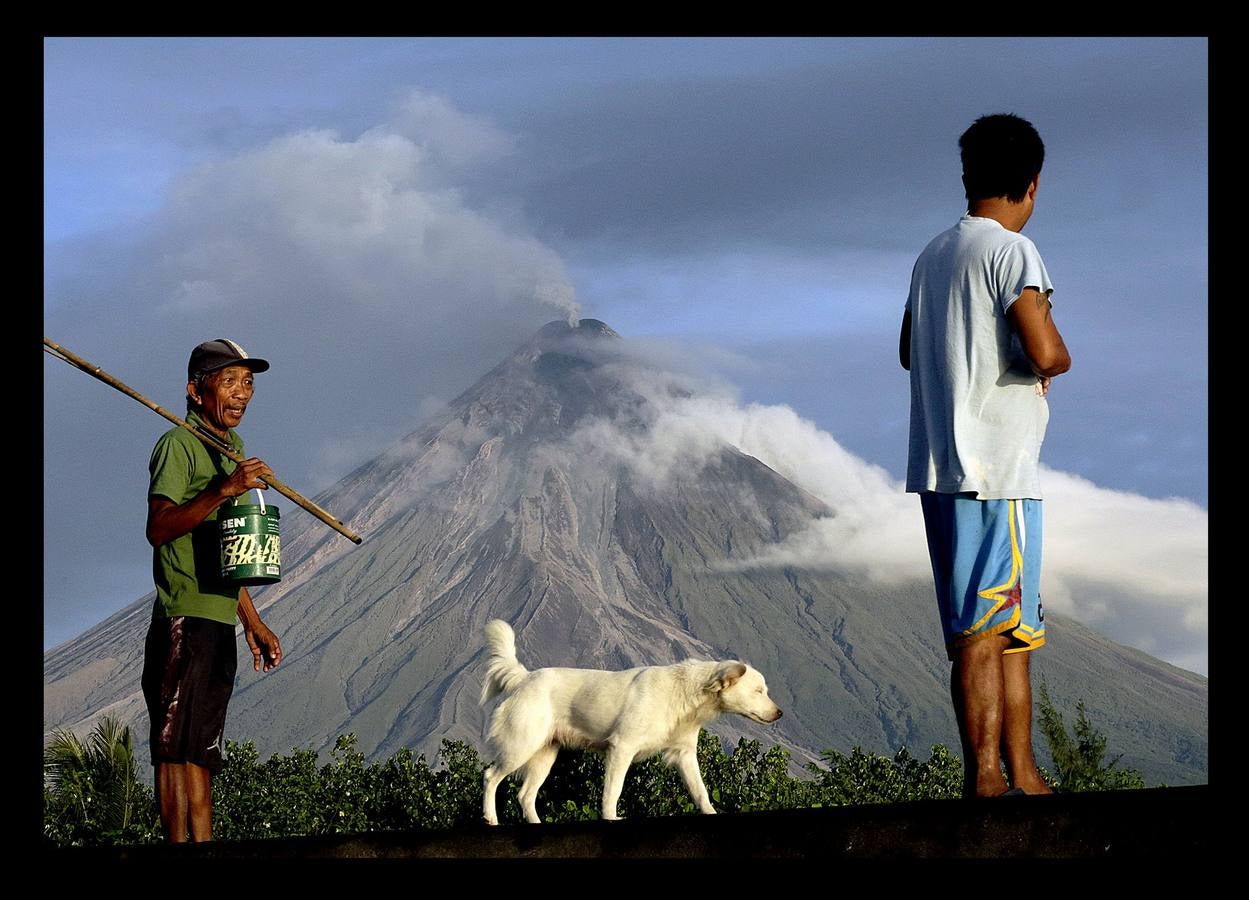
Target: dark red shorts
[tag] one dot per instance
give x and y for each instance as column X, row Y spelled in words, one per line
column 188, row 676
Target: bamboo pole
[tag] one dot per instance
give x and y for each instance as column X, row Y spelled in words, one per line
column 207, row 437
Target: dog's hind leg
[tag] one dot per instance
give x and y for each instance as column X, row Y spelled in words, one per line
column 502, row 767
column 489, row 784
column 687, row 765
column 536, row 770
column 515, row 739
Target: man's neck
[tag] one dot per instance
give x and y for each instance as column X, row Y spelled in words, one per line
column 1011, row 216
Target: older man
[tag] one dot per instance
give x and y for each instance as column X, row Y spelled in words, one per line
column 190, row 658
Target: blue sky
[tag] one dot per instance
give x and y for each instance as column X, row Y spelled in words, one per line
column 386, row 218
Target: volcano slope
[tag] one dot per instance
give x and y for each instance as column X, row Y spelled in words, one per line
column 546, row 495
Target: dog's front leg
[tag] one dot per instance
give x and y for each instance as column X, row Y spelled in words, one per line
column 618, row 762
column 687, row 765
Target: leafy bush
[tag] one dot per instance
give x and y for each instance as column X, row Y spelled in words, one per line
column 1079, row 758
column 870, row 778
column 92, row 794
column 290, row 796
column 279, row 797
column 746, row 780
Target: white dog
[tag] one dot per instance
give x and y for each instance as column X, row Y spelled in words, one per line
column 629, row 715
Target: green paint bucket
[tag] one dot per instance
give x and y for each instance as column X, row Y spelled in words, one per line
column 251, row 547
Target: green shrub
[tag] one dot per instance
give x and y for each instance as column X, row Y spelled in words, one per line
column 1079, row 758
column 93, row 797
column 865, row 777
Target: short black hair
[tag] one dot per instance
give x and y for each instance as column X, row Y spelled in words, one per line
column 1001, row 155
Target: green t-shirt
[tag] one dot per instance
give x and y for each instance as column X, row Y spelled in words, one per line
column 187, row 570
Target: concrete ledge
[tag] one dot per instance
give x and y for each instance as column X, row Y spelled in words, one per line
column 1158, row 823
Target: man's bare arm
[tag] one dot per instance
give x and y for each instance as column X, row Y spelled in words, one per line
column 1030, row 317
column 167, row 520
column 264, row 644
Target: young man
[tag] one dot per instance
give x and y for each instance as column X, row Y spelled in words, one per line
column 981, row 347
column 190, row 658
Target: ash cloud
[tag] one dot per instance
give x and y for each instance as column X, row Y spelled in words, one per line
column 355, row 264
column 1132, row 567
column 358, row 265
column 334, row 233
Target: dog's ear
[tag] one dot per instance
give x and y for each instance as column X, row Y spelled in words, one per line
column 726, row 676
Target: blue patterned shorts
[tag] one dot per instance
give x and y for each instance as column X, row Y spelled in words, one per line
column 986, row 565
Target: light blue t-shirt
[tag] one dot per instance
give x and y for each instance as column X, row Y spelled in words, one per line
column 977, row 413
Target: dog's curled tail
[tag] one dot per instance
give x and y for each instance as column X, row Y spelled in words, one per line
column 503, row 672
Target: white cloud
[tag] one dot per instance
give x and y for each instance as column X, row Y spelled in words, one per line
column 312, row 224
column 457, row 140
column 1132, row 567
column 357, row 264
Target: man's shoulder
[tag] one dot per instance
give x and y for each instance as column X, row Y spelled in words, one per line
column 974, row 239
column 175, row 435
column 942, row 238
column 173, row 456
column 178, row 444
column 986, row 233
column 997, row 240
column 966, row 235
column 180, row 436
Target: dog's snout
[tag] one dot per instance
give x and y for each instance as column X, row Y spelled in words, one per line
column 779, row 713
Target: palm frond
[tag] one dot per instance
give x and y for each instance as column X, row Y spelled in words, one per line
column 64, row 754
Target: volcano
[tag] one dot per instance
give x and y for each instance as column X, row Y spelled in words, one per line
column 511, row 504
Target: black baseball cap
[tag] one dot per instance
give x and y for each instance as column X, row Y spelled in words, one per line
column 213, row 355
